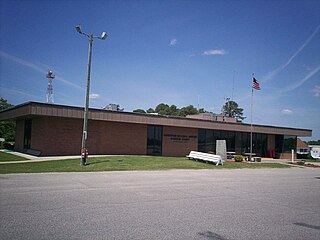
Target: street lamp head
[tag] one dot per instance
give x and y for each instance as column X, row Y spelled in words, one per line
column 78, row 28
column 103, row 35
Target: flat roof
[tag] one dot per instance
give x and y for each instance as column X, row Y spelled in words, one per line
column 37, row 109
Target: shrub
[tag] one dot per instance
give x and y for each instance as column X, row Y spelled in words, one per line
column 309, row 156
column 6, row 145
column 238, row 158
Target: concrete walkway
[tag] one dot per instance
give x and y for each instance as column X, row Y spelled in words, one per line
column 32, row 158
column 286, row 161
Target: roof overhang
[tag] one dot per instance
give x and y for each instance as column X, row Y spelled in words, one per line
column 35, row 109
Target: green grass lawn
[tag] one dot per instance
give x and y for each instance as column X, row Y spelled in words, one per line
column 124, row 163
column 7, row 157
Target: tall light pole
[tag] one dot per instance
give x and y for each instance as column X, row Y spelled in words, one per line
column 84, row 150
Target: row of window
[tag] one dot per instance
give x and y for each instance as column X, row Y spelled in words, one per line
column 238, row 142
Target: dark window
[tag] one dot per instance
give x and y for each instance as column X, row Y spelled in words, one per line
column 154, row 140
column 223, row 135
column 254, row 143
column 245, row 142
column 27, row 134
column 258, row 144
column 202, row 140
column 264, row 144
column 216, row 136
column 231, row 142
column 279, row 144
column 210, row 144
column 238, row 142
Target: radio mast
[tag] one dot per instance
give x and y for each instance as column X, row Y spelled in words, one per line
column 50, row 77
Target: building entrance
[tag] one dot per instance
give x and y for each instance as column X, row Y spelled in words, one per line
column 154, row 141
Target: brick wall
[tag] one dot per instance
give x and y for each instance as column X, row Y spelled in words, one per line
column 56, row 136
column 287, row 156
column 62, row 136
column 179, row 141
column 117, row 138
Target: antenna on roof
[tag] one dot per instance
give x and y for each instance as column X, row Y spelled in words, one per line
column 234, row 73
column 50, row 77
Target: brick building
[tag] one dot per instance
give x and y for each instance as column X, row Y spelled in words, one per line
column 57, row 130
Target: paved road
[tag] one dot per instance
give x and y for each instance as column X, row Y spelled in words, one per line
column 179, row 204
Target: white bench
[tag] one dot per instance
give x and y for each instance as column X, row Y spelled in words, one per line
column 207, row 157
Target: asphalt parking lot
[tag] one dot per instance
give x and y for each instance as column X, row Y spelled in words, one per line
column 177, row 204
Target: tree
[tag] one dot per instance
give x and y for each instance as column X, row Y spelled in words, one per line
column 202, row 110
column 150, row 110
column 139, row 110
column 173, row 110
column 162, row 109
column 4, row 104
column 189, row 110
column 231, row 109
column 7, row 128
column 314, row 142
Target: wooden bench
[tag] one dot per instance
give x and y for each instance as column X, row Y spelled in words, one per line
column 206, row 157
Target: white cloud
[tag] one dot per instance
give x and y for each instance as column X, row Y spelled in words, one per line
column 94, row 96
column 173, row 42
column 286, row 111
column 316, row 91
column 214, row 52
column 274, row 72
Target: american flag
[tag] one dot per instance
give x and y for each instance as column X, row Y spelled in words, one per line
column 256, row 84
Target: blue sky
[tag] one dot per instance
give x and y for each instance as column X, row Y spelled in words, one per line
column 176, row 52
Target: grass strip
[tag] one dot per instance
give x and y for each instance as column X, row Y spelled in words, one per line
column 124, row 163
column 7, row 157
column 312, row 160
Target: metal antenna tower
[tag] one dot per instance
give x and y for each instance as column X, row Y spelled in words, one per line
column 50, row 77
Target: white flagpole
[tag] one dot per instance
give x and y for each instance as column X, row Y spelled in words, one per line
column 251, row 118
